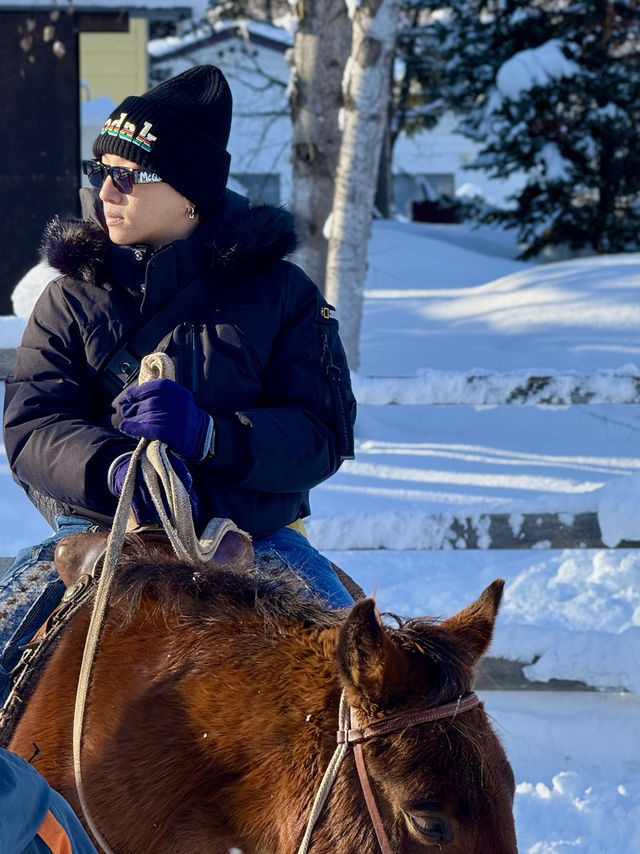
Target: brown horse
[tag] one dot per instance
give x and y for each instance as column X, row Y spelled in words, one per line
column 213, row 711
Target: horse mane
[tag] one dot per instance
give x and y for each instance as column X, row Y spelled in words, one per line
column 451, row 669
column 209, row 595
column 277, row 599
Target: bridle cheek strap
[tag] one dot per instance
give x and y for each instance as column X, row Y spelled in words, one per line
column 348, row 736
column 370, row 799
column 356, row 737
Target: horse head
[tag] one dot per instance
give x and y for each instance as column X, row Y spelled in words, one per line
column 438, row 774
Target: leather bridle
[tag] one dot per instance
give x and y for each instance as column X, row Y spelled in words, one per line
column 348, row 736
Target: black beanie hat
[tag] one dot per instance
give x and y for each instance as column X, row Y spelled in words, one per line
column 180, row 130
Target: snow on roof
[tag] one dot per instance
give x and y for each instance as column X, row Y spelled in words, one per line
column 101, row 5
column 242, row 28
column 259, row 28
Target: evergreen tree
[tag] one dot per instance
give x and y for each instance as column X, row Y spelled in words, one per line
column 552, row 88
column 416, row 102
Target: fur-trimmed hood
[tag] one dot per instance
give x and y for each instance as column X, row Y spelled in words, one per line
column 242, row 238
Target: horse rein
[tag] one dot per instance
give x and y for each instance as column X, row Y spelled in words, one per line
column 348, row 736
column 152, row 458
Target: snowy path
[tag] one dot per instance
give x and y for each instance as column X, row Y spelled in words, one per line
column 437, row 305
column 416, row 462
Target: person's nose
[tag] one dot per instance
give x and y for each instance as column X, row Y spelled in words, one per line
column 109, row 193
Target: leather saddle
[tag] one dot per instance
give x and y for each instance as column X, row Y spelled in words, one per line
column 78, row 554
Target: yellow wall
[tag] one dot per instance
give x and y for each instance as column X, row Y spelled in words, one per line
column 115, row 64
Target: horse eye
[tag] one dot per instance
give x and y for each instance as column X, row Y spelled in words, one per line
column 432, row 827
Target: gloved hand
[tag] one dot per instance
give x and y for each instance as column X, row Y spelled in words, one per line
column 166, row 410
column 141, row 502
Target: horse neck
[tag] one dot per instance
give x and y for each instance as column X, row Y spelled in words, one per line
column 281, row 684
column 274, row 724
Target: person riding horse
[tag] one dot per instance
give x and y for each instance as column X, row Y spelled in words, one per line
column 166, row 258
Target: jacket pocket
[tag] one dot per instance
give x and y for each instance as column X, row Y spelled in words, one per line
column 218, row 362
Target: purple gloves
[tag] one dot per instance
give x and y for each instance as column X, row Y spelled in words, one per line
column 166, row 410
column 142, row 503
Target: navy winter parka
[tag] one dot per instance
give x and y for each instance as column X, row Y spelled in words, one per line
column 261, row 354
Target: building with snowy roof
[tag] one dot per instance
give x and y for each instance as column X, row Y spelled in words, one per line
column 254, row 57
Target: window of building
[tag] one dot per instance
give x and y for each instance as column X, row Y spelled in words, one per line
column 425, row 187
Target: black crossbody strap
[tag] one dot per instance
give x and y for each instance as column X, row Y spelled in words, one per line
column 123, row 363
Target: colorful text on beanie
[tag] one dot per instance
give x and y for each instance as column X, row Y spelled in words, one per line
column 180, row 130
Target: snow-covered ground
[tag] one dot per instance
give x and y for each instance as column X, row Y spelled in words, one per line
column 442, row 302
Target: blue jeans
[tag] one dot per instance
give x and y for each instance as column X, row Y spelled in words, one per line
column 29, row 591
column 31, row 588
column 295, row 553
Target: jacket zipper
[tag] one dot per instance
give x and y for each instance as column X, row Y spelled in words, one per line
column 326, row 359
column 334, row 374
column 194, row 332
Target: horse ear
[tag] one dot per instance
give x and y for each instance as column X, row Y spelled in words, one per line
column 370, row 663
column 474, row 625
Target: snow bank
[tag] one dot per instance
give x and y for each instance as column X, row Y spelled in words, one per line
column 572, row 614
column 492, row 388
column 619, row 510
column 29, row 288
column 575, row 814
column 11, row 329
column 577, row 770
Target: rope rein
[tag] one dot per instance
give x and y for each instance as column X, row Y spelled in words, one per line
column 114, row 549
column 329, row 777
column 152, row 458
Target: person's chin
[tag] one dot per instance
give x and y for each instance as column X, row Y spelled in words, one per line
column 118, row 231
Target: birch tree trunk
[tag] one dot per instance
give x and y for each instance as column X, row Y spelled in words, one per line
column 366, row 98
column 321, row 49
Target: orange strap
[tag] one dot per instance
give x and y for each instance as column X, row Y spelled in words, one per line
column 54, row 835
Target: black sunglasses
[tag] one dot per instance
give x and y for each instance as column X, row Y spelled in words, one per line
column 123, row 178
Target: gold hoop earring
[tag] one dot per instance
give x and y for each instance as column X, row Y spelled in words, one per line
column 191, row 213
